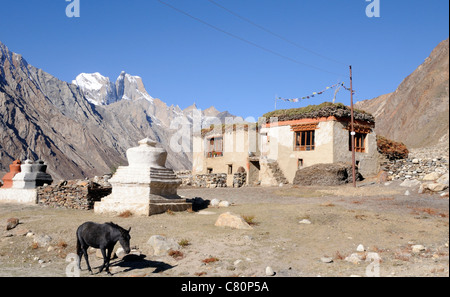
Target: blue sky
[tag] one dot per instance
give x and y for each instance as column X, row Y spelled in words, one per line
column 182, row 60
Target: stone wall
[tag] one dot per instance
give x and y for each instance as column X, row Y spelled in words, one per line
column 186, row 177
column 74, row 194
column 239, row 179
column 415, row 168
column 213, row 180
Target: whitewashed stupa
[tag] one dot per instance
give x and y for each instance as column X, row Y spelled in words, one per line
column 145, row 186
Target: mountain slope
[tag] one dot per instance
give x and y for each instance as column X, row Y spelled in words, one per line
column 81, row 129
column 417, row 113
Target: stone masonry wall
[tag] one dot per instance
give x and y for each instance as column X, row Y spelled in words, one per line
column 213, row 180
column 74, row 194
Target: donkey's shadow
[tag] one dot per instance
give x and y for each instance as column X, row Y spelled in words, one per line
column 133, row 262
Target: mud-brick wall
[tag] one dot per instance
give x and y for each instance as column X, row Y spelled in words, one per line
column 76, row 194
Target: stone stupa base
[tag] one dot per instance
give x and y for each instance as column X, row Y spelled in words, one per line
column 141, row 200
column 151, row 207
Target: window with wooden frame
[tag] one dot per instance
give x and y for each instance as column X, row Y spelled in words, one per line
column 360, row 142
column 214, row 147
column 304, row 136
column 305, row 140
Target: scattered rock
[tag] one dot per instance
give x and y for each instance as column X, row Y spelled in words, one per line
column 120, row 253
column 407, row 193
column 418, row 248
column 354, row 258
column 224, row 204
column 326, row 260
column 214, row 203
column 98, row 254
column 360, row 248
column 161, row 245
column 305, row 221
column 11, row 223
column 269, row 271
column 42, row 240
column 231, row 220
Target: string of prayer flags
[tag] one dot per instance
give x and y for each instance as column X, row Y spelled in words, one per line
column 314, row 93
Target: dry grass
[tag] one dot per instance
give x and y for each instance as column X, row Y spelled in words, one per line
column 250, row 219
column 61, row 244
column 327, row 204
column 184, row 242
column 176, row 254
column 339, row 256
column 429, row 211
column 200, row 273
column 126, row 214
column 210, row 260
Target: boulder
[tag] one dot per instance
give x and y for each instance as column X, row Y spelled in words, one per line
column 431, row 176
column 436, row 187
column 162, row 245
column 410, row 183
column 443, row 179
column 231, row 220
column 224, row 203
column 325, row 175
column 11, row 223
column 214, row 203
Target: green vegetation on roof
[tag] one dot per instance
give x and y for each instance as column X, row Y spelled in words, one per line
column 325, row 109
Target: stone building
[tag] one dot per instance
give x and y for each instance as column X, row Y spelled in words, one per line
column 224, row 149
column 288, row 140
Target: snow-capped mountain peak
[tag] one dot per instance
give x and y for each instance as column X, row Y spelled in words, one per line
column 130, row 87
column 99, row 90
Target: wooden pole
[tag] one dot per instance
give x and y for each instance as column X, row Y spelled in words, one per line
column 352, row 129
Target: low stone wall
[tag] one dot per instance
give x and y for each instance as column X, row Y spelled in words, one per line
column 239, row 179
column 213, row 180
column 186, row 177
column 74, row 194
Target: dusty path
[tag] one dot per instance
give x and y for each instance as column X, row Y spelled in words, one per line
column 381, row 218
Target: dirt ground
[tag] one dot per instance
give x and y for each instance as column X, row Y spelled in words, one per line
column 381, row 218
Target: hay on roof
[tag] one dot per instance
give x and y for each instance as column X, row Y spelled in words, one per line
column 325, row 109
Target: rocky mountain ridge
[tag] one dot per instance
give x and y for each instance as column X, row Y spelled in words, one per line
column 80, row 129
column 417, row 112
